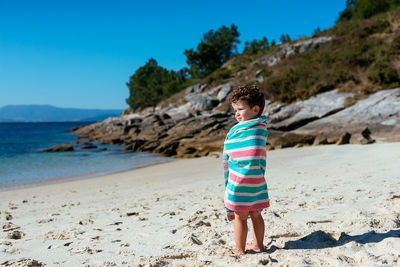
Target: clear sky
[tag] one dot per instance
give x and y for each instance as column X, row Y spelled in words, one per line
column 81, row 53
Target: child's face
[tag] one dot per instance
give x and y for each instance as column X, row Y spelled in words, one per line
column 244, row 112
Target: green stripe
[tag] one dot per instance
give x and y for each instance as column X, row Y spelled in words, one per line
column 247, row 198
column 246, row 189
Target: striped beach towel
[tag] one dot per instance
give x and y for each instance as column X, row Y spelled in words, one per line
column 244, row 160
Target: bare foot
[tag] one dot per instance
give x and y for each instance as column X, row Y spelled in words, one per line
column 237, row 251
column 254, row 247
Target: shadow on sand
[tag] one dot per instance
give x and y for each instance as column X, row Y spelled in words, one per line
column 320, row 239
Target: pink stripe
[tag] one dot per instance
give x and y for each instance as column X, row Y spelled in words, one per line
column 241, row 180
column 247, row 208
column 248, row 153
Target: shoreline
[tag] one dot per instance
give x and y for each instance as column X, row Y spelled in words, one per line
column 67, row 179
column 330, row 205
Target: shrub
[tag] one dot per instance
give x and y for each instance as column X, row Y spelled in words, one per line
column 395, row 45
column 382, row 73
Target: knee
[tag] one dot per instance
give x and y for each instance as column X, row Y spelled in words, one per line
column 241, row 215
column 254, row 214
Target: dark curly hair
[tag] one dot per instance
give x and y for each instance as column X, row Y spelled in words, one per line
column 251, row 94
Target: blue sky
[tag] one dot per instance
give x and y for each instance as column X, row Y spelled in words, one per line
column 80, row 54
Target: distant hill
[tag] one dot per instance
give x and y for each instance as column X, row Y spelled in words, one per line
column 24, row 113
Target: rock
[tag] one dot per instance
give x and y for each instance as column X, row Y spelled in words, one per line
column 60, row 148
column 167, row 147
column 9, row 226
column 195, row 240
column 286, row 50
column 320, row 140
column 366, row 137
column 16, row 235
column 303, row 112
column 165, row 116
column 271, row 108
column 202, row 102
column 224, row 91
column 127, row 111
column 197, row 88
column 365, row 141
column 85, row 222
column 134, row 145
column 373, row 113
column 24, row 262
column 259, row 79
column 344, row 139
column 88, row 147
column 366, row 133
column 289, row 139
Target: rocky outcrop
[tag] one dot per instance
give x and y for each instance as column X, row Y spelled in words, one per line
column 285, row 50
column 300, row 113
column 189, row 136
column 320, row 120
column 379, row 112
column 60, row 148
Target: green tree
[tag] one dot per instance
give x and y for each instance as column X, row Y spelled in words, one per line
column 363, row 9
column 367, row 8
column 255, row 47
column 151, row 83
column 215, row 49
column 285, row 38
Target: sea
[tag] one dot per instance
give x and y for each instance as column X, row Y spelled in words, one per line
column 22, row 165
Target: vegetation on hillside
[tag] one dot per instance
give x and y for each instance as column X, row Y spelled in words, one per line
column 364, row 9
column 363, row 57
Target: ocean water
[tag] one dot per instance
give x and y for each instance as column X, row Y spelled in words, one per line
column 22, row 164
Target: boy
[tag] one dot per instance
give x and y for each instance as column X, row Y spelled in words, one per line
column 244, row 157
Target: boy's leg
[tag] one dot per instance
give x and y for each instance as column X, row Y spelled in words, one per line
column 240, row 229
column 258, row 231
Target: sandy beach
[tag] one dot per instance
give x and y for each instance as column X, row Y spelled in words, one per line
column 330, row 205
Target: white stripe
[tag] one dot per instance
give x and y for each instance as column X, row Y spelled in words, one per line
column 246, row 194
column 246, row 203
column 244, row 148
column 246, row 138
column 251, row 128
column 250, row 158
column 250, row 167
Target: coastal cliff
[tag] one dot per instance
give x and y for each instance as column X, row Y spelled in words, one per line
column 340, row 86
column 323, row 119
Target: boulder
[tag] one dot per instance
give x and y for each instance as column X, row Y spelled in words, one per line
column 380, row 113
column 224, row 91
column 202, row 102
column 344, row 139
column 197, row 88
column 289, row 139
column 59, row 148
column 303, row 112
